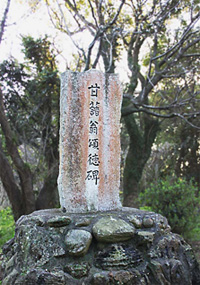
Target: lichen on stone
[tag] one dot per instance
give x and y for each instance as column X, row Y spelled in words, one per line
column 69, row 255
column 78, row 242
column 111, row 229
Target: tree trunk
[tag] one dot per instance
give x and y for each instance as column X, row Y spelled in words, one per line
column 10, row 186
column 188, row 153
column 138, row 154
column 22, row 168
column 48, row 196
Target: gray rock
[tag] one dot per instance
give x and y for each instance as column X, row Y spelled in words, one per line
column 147, row 222
column 135, row 221
column 37, row 220
column 59, row 221
column 67, row 255
column 110, row 229
column 38, row 276
column 78, row 270
column 118, row 277
column 146, row 236
column 11, row 262
column 117, row 257
column 83, row 222
column 161, row 222
column 78, row 242
column 10, row 279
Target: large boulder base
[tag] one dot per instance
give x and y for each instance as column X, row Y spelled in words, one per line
column 127, row 246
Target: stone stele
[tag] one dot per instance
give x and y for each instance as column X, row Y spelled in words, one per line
column 89, row 173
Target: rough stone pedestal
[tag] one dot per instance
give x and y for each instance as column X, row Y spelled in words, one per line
column 127, row 246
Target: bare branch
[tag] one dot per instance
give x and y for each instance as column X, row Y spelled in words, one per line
column 192, row 55
column 98, row 54
column 3, row 22
column 101, row 31
column 130, row 110
column 87, row 65
column 111, row 57
column 68, row 31
column 173, row 105
column 116, row 16
column 186, row 34
column 89, row 25
column 93, row 15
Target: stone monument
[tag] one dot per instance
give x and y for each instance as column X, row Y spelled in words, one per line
column 90, row 110
column 92, row 240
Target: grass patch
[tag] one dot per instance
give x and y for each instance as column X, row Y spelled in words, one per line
column 7, row 226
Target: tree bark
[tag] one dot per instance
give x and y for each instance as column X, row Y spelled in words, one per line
column 22, row 168
column 11, row 188
column 138, row 154
column 48, row 196
column 3, row 21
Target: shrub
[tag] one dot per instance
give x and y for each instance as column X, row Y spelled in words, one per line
column 174, row 198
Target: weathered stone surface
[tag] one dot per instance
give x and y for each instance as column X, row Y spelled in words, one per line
column 120, row 277
column 83, row 223
column 39, row 276
column 135, row 221
column 78, row 270
column 37, row 220
column 110, row 229
column 90, row 110
column 59, row 221
column 147, row 222
column 118, row 257
column 11, row 278
column 146, row 236
column 78, row 242
column 39, row 255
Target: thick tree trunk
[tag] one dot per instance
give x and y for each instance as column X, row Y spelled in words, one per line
column 139, row 151
column 22, row 168
column 132, row 175
column 48, row 196
column 189, row 147
column 10, row 186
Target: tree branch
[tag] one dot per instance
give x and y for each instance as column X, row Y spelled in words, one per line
column 89, row 25
column 100, row 32
column 22, row 169
column 98, row 54
column 10, row 186
column 68, row 31
column 93, row 15
column 3, row 22
column 130, row 110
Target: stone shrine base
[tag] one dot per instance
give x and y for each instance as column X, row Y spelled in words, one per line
column 127, row 246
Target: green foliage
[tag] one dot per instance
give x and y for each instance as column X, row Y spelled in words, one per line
column 194, row 234
column 174, row 198
column 7, row 226
column 39, row 52
column 31, row 99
